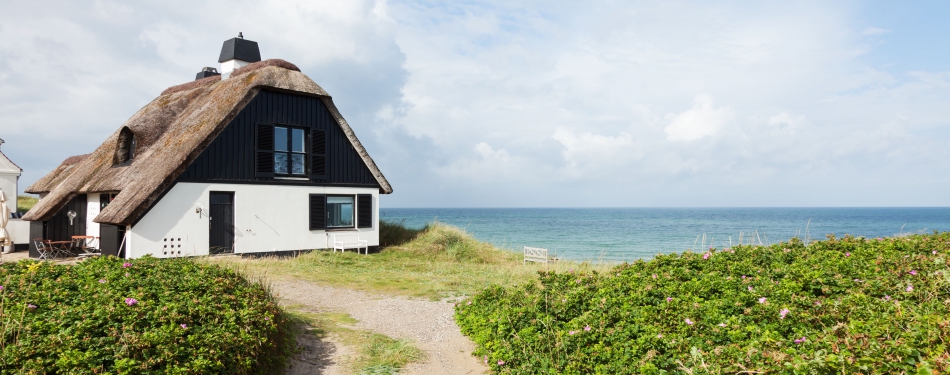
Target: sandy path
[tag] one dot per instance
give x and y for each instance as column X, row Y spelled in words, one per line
column 429, row 324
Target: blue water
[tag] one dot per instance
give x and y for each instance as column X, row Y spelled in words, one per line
column 627, row 234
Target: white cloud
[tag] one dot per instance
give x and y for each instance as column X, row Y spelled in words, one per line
column 486, row 151
column 703, row 120
column 593, row 150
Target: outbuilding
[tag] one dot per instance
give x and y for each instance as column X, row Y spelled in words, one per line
column 254, row 159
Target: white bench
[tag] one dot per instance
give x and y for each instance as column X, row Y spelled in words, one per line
column 349, row 241
column 535, row 254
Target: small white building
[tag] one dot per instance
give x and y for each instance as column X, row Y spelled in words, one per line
column 256, row 160
column 9, row 178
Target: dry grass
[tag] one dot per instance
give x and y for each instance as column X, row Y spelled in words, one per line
column 436, row 262
column 24, row 203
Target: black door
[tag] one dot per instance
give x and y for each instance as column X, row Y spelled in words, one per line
column 221, row 222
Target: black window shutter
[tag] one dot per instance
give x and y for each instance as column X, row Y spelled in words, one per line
column 364, row 205
column 265, row 151
column 318, row 211
column 318, row 154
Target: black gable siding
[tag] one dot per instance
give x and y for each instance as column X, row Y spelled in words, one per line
column 231, row 157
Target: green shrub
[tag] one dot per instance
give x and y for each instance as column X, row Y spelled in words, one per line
column 839, row 306
column 147, row 316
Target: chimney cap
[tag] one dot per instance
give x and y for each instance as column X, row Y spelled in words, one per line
column 207, row 72
column 240, row 49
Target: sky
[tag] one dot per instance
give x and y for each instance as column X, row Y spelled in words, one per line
column 536, row 103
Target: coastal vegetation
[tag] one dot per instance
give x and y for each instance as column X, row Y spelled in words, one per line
column 437, row 261
column 143, row 316
column 843, row 305
column 25, row 202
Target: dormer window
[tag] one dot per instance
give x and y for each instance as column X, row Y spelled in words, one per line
column 125, row 147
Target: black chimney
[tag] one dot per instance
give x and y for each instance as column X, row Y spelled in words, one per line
column 240, row 49
column 207, row 72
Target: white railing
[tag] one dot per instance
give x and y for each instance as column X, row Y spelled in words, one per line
column 535, row 254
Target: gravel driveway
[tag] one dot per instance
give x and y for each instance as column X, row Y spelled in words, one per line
column 428, row 324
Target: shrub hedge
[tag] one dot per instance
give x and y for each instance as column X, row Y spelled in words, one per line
column 850, row 305
column 145, row 316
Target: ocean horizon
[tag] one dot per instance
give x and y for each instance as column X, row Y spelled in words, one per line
column 628, row 234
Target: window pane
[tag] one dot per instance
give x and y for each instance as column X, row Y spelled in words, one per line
column 280, row 138
column 339, row 211
column 296, row 142
column 280, row 162
column 296, row 163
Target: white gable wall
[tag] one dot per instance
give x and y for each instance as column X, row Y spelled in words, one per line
column 267, row 218
column 8, row 183
column 9, row 176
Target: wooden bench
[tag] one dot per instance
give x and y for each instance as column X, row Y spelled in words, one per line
column 535, row 254
column 349, row 241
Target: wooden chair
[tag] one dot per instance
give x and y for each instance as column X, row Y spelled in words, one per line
column 85, row 249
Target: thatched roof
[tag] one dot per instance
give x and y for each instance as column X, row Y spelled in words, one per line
column 48, row 182
column 170, row 133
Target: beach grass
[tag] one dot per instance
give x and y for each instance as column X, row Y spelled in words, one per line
column 438, row 261
column 25, row 202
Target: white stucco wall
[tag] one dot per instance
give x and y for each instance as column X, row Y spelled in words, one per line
column 266, row 218
column 8, row 183
column 19, row 231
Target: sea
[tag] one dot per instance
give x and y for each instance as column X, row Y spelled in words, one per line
column 628, row 234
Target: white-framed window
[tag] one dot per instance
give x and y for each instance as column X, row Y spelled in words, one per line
column 340, row 210
column 290, row 153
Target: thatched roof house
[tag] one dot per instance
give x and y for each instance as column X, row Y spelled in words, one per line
column 150, row 153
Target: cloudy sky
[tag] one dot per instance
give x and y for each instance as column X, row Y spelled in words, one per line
column 536, row 103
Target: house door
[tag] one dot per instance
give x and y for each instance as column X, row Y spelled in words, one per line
column 221, row 222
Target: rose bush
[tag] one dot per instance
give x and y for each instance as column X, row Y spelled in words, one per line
column 850, row 305
column 145, row 316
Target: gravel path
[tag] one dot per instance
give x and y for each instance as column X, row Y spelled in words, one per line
column 428, row 324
